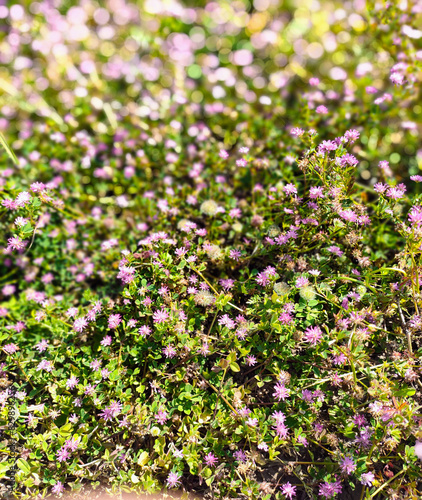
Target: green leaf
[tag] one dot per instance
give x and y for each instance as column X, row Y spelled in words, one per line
column 234, row 367
column 65, row 430
column 406, row 391
column 23, row 465
column 143, row 458
column 115, row 375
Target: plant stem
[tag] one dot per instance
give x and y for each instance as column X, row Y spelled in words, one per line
column 212, row 288
column 385, row 484
column 23, row 371
column 216, row 390
column 219, row 393
column 403, row 324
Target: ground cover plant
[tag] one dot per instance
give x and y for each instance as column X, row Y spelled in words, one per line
column 211, row 224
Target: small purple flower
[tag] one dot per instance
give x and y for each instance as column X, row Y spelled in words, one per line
column 10, row 348
column 161, row 417
column 173, row 479
column 367, row 478
column 72, row 382
column 80, row 324
column 288, row 490
column 281, row 391
column 160, row 316
column 347, row 465
column 313, row 335
column 210, row 459
column 114, row 320
column 63, row 455
column 330, row 490
column 57, row 488
column 111, row 411
column 240, row 456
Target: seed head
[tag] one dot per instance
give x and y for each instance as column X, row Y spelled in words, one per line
column 204, row 298
column 308, row 293
column 209, row 207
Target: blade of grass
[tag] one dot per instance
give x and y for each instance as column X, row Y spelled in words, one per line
column 8, row 149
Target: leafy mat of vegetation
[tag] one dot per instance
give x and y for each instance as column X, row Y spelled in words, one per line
column 210, row 266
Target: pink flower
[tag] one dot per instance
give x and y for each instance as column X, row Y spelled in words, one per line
column 297, row 131
column 396, row 192
column 347, row 465
column 45, row 365
column 57, row 488
column 169, row 351
column 321, row 110
column 301, row 282
column 173, row 479
column 8, row 290
column 240, row 456
column 351, row 135
column 281, row 430
column 114, row 321
column 330, row 490
column 126, row 274
column 10, row 348
column 241, row 162
column 252, row 422
column 73, row 443
column 10, row 204
column 347, row 159
column 313, row 335
column 72, row 312
column 288, row 490
column 160, row 316
column 63, row 455
column 316, row 192
column 251, row 360
column 281, row 391
column 80, row 324
column 397, row 78
column 335, row 250
column 106, row 341
column 162, row 417
column 367, row 478
column 16, row 243
column 23, row 198
column 418, row 449
column 379, row 187
column 327, row 146
column 210, row 460
column 348, row 215
column 144, row 331
column 285, row 318
column 227, row 284
column 111, row 411
column 42, row 345
column 371, row 90
column 95, row 364
column 290, row 189
column 72, row 382
column 235, row 254
column 37, row 187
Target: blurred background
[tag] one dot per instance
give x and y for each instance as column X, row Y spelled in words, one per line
column 220, row 69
